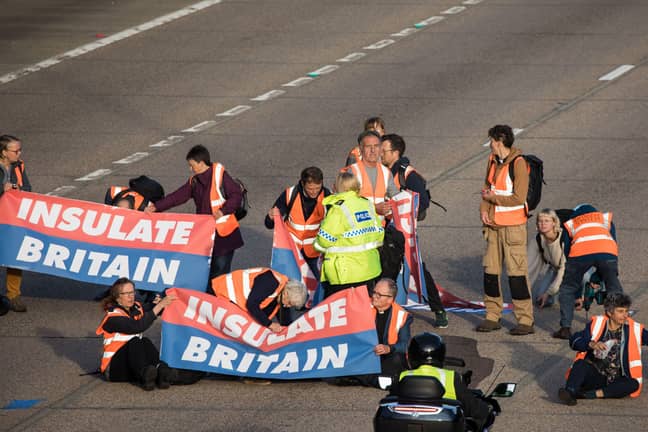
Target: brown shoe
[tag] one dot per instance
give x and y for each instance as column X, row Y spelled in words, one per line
column 563, row 333
column 16, row 305
column 521, row 330
column 488, row 326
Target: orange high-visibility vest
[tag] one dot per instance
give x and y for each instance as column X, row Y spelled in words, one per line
column 396, row 322
column 226, row 224
column 138, row 199
column 303, row 232
column 236, row 287
column 503, row 185
column 112, row 342
column 590, row 234
column 634, row 347
column 19, row 169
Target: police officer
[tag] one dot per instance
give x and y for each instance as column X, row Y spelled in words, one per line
column 426, row 355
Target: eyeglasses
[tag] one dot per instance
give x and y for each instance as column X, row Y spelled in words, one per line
column 15, row 151
column 127, row 293
column 387, row 150
column 376, row 294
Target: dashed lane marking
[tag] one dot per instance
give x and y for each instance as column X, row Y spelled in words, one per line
column 429, row 21
column 132, row 158
column 298, row 82
column 380, row 44
column 168, row 141
column 269, row 95
column 234, row 111
column 351, row 57
column 405, row 32
column 454, row 10
column 323, row 70
column 616, row 72
column 61, row 190
column 103, row 172
column 200, row 126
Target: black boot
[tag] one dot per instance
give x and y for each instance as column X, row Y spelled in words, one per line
column 148, row 376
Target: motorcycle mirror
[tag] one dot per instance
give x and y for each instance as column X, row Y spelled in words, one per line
column 504, row 390
column 454, row 361
column 384, row 382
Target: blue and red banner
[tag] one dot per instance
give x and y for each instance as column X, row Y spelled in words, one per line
column 96, row 243
column 208, row 333
column 287, row 259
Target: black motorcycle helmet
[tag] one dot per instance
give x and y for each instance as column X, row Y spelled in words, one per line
column 426, row 349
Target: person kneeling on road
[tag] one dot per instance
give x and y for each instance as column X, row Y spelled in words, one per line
column 608, row 363
column 127, row 355
column 426, row 355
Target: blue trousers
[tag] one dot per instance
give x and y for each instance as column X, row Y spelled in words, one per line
column 585, row 377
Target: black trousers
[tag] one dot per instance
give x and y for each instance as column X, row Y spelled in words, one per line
column 434, row 300
column 330, row 289
column 585, row 377
column 128, row 363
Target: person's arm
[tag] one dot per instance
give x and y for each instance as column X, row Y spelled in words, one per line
column 263, row 287
column 613, row 231
column 279, row 204
column 565, row 241
column 128, row 325
column 579, row 341
column 174, row 199
column 403, row 335
column 233, row 195
column 557, row 251
column 332, row 225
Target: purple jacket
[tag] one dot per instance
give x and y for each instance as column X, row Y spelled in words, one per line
column 199, row 190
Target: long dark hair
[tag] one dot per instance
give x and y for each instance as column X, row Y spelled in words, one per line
column 110, row 301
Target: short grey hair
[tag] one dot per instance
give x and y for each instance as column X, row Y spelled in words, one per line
column 295, row 293
column 391, row 285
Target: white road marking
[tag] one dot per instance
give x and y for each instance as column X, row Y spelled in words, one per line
column 200, row 126
column 298, row 82
column 234, row 111
column 168, row 141
column 61, row 190
column 472, row 2
column 269, row 95
column 103, row 172
column 380, row 44
column 454, row 10
column 405, row 32
column 616, row 72
column 352, row 57
column 429, row 21
column 83, row 49
column 323, row 70
column 132, row 158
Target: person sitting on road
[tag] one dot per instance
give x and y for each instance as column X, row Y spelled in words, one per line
column 426, row 355
column 608, row 363
column 261, row 291
column 127, row 356
column 349, row 237
column 546, row 258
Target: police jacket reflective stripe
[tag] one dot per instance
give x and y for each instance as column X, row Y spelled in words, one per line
column 226, row 224
column 445, row 376
column 503, row 185
column 112, row 342
column 396, row 322
column 236, row 287
column 635, row 329
column 302, row 231
column 590, row 234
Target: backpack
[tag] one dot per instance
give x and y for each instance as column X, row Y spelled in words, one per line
column 421, row 212
column 563, row 216
column 392, row 252
column 147, row 187
column 536, row 179
column 244, row 207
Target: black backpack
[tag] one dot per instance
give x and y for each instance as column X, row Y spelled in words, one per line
column 244, row 207
column 422, row 212
column 147, row 187
column 536, row 179
column 392, row 252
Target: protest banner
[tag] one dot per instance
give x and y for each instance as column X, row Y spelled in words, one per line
column 208, row 333
column 96, row 243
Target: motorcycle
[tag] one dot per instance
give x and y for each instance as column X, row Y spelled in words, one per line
column 418, row 405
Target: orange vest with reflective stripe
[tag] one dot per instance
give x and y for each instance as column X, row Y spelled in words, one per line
column 634, row 347
column 236, row 287
column 503, row 185
column 375, row 194
column 138, row 199
column 226, row 224
column 303, row 232
column 590, row 234
column 19, row 169
column 397, row 180
column 396, row 322
column 112, row 342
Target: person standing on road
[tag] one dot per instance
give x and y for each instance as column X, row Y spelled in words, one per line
column 608, row 363
column 375, row 124
column 393, row 157
column 504, row 215
column 301, row 206
column 215, row 193
column 13, row 177
column 589, row 240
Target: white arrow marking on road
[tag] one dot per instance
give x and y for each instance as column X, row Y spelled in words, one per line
column 61, row 190
column 269, row 95
column 234, row 111
column 103, row 172
column 616, row 72
column 132, row 158
column 380, row 44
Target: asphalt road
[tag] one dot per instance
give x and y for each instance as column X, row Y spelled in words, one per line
column 205, row 78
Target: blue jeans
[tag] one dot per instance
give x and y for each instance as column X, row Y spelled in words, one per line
column 571, row 287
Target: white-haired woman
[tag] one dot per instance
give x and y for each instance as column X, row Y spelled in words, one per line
column 546, row 258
